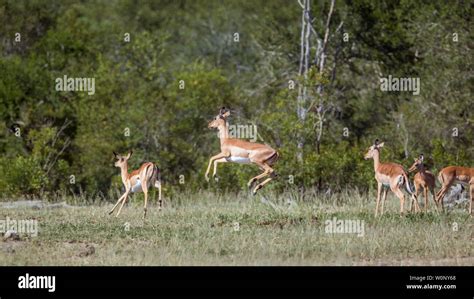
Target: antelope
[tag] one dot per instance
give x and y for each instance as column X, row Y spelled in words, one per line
column 240, row 151
column 389, row 175
column 138, row 180
column 425, row 180
column 455, row 174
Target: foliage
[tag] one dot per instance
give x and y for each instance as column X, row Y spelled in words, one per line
column 138, row 90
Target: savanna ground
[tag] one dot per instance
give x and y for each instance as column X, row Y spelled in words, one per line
column 267, row 229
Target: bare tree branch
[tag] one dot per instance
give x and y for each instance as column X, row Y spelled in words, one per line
column 326, row 37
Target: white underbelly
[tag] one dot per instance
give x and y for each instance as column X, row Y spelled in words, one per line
column 241, row 160
column 458, row 182
column 137, row 187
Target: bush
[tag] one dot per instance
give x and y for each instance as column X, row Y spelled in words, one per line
column 22, row 175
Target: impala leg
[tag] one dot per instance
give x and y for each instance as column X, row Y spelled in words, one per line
column 441, row 193
column 266, row 171
column 414, row 200
column 417, row 190
column 218, row 156
column 145, row 192
column 116, row 204
column 379, row 190
column 425, row 194
column 260, row 186
column 160, row 202
column 472, row 198
column 123, row 202
column 222, row 160
column 434, row 199
column 441, row 198
column 256, row 178
column 384, row 196
column 401, row 196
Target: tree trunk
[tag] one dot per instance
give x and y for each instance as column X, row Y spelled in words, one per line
column 303, row 71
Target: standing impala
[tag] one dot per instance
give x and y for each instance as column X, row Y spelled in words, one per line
column 137, row 181
column 389, row 175
column 240, row 151
column 455, row 174
column 425, row 180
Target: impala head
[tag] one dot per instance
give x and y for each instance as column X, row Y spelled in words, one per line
column 375, row 147
column 122, row 160
column 417, row 164
column 219, row 119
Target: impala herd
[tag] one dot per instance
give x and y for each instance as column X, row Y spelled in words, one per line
column 389, row 176
column 393, row 176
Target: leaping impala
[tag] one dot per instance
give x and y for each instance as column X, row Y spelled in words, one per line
column 389, row 175
column 240, row 151
column 138, row 180
column 425, row 180
column 455, row 174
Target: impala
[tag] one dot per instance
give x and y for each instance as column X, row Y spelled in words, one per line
column 389, row 175
column 240, row 151
column 455, row 174
column 424, row 179
column 138, row 180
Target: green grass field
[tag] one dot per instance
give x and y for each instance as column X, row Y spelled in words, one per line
column 268, row 229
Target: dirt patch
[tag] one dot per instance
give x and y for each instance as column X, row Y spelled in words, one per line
column 10, row 246
column 88, row 250
column 80, row 249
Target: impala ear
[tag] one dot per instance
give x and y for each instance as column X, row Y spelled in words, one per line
column 224, row 112
column 129, row 155
column 422, row 157
column 115, row 155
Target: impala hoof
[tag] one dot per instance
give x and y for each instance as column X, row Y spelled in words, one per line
column 251, row 184
column 216, row 178
column 256, row 189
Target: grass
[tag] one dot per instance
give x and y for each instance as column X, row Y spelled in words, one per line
column 268, row 229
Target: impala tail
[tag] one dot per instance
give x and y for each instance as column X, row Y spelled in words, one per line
column 273, row 158
column 407, row 185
